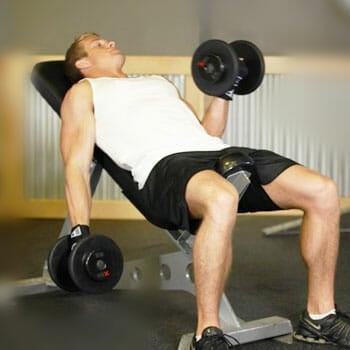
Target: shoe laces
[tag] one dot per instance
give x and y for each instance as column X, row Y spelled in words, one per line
column 342, row 324
column 344, row 315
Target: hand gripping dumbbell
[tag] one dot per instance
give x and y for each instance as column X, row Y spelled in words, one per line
column 80, row 262
column 222, row 69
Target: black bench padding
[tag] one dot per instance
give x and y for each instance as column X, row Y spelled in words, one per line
column 50, row 81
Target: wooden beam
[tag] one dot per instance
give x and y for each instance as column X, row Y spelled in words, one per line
column 116, row 210
column 101, row 209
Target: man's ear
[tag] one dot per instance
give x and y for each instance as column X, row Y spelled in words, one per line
column 83, row 63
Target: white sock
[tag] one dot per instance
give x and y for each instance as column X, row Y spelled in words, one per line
column 320, row 316
column 198, row 337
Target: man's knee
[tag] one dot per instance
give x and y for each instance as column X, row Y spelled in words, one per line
column 222, row 201
column 210, row 194
column 324, row 194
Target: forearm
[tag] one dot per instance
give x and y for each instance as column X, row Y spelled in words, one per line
column 215, row 117
column 78, row 196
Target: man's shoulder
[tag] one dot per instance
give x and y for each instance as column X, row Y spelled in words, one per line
column 81, row 88
column 79, row 92
column 78, row 96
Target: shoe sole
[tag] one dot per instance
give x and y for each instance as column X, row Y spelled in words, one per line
column 311, row 340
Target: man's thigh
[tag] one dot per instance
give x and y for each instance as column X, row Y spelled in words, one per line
column 268, row 166
column 295, row 187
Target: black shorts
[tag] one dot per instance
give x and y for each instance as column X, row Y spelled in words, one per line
column 164, row 190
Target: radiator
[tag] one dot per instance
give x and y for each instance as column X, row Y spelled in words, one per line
column 306, row 120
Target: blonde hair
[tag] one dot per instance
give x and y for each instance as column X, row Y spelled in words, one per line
column 74, row 53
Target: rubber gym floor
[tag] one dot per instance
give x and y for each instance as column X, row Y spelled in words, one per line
column 267, row 278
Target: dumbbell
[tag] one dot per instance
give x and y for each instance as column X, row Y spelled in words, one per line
column 93, row 265
column 218, row 67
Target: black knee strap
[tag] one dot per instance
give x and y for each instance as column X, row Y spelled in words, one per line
column 233, row 162
column 236, row 167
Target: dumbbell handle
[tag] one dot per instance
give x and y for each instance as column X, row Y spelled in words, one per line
column 242, row 73
column 77, row 233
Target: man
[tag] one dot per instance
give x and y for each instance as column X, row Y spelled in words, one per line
column 145, row 127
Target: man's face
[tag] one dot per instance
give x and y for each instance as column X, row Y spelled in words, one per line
column 102, row 53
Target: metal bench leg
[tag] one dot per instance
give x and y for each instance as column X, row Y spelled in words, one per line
column 173, row 271
column 243, row 331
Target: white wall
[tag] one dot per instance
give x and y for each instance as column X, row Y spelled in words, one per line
column 168, row 27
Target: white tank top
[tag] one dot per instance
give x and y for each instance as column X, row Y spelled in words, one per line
column 141, row 120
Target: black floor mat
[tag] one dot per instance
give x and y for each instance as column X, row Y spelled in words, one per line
column 268, row 278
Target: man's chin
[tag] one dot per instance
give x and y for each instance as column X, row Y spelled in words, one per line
column 120, row 58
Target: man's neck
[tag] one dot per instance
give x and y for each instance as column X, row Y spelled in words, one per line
column 106, row 74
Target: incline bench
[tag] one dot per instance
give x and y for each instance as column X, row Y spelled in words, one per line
column 175, row 269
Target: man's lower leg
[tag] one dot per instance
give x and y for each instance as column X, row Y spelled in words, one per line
column 212, row 256
column 319, row 248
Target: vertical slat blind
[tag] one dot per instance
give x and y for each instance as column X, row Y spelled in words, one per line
column 305, row 119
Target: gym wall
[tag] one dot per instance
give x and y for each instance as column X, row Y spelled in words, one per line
column 174, row 28
column 152, row 27
column 167, row 27
column 280, row 115
column 279, row 27
column 4, row 10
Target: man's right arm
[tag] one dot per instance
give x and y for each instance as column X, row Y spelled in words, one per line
column 215, row 117
column 77, row 146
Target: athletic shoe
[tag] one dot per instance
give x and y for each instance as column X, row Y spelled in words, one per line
column 333, row 329
column 213, row 338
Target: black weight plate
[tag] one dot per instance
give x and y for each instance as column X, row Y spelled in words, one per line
column 57, row 262
column 222, row 52
column 87, row 256
column 254, row 61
